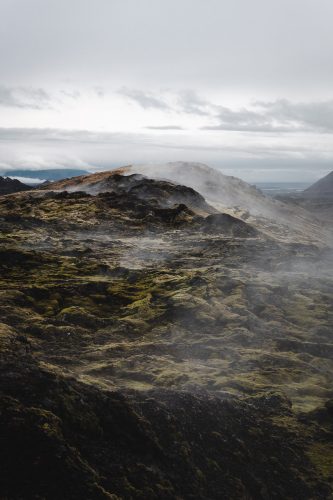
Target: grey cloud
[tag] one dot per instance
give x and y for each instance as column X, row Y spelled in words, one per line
column 73, row 94
column 144, row 99
column 245, row 121
column 24, row 97
column 124, row 139
column 313, row 115
column 277, row 116
column 280, row 115
column 190, row 102
column 186, row 101
column 164, row 127
column 100, row 92
column 38, row 135
column 32, row 148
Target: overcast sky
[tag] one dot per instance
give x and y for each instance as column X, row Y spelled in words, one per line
column 242, row 85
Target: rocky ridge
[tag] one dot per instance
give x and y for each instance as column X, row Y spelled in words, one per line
column 225, row 193
column 9, row 186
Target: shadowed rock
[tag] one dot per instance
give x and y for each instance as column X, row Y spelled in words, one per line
column 226, row 224
column 8, row 186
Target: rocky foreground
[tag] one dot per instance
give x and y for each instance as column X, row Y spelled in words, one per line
column 154, row 347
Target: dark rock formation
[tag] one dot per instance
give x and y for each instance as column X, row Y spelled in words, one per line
column 63, row 439
column 9, row 186
column 160, row 193
column 228, row 225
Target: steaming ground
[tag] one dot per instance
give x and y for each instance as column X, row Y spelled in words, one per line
column 224, row 193
column 154, row 345
column 127, row 290
column 219, row 314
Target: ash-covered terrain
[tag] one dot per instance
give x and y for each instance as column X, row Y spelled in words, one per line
column 165, row 333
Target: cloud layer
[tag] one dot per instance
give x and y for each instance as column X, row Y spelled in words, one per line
column 280, row 115
column 23, row 97
column 121, row 81
column 277, row 116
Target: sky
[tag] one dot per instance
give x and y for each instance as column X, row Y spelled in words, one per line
column 243, row 86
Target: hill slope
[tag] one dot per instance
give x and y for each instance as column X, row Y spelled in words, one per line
column 317, row 200
column 8, row 186
column 227, row 194
column 321, row 189
column 216, row 187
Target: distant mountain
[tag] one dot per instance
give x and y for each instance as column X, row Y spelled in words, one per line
column 55, row 174
column 321, row 189
column 9, row 186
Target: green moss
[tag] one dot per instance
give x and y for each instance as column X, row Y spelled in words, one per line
column 321, row 455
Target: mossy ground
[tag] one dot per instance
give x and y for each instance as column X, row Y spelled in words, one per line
column 121, row 301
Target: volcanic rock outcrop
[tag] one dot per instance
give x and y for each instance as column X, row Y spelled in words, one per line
column 225, row 193
column 8, row 186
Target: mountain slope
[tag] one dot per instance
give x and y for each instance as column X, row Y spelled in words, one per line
column 226, row 194
column 8, row 186
column 213, row 185
column 232, row 195
column 321, row 189
column 165, row 194
column 317, row 200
